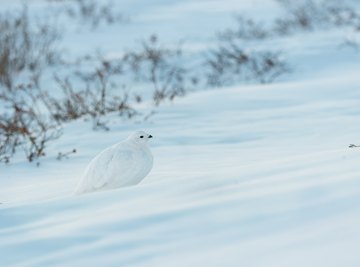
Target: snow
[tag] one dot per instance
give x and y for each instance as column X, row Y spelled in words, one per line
column 250, row 175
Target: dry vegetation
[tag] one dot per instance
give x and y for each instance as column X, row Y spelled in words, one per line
column 31, row 115
column 89, row 12
column 25, row 52
column 159, row 66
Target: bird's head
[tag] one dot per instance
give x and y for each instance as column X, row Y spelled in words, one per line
column 140, row 137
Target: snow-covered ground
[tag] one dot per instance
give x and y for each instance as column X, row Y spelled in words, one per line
column 252, row 175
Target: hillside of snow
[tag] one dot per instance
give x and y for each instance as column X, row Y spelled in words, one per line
column 248, row 175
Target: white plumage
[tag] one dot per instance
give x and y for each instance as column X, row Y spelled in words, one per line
column 123, row 164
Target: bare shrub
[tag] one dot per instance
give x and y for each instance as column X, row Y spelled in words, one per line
column 91, row 92
column 300, row 15
column 230, row 63
column 90, row 12
column 341, row 14
column 159, row 66
column 26, row 49
column 312, row 14
column 24, row 125
column 72, row 106
column 31, row 117
column 246, row 29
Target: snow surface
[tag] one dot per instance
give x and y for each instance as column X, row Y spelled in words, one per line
column 252, row 175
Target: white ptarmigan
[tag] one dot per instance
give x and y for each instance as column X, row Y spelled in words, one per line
column 123, row 164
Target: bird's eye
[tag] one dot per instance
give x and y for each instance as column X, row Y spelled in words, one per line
column 141, row 136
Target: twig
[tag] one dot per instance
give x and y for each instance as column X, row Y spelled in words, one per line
column 61, row 155
column 352, row 146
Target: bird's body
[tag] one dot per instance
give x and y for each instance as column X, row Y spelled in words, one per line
column 123, row 164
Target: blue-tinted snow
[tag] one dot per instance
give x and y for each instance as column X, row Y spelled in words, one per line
column 255, row 175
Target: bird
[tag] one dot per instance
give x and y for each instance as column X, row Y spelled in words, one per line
column 123, row 164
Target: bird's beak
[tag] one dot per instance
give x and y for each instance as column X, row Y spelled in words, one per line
column 150, row 136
